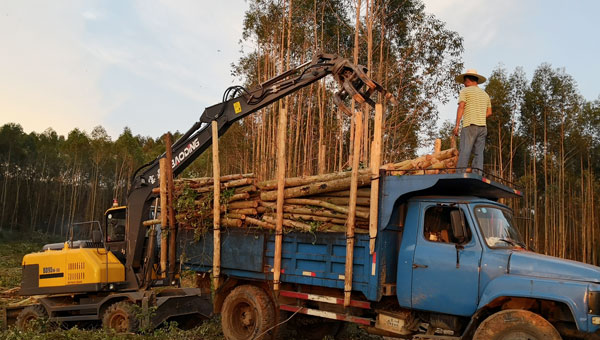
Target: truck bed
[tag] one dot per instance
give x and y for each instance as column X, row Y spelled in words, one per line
column 319, row 258
column 307, row 258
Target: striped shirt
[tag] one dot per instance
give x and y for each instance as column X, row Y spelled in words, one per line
column 476, row 105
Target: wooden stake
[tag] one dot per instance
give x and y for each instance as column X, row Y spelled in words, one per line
column 164, row 213
column 375, row 164
column 217, row 206
column 281, row 129
column 437, row 146
column 172, row 226
column 352, row 209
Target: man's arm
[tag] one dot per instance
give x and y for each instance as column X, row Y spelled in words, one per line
column 489, row 112
column 459, row 113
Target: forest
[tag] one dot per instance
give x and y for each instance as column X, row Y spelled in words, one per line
column 543, row 135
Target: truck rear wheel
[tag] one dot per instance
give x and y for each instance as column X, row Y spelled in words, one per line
column 247, row 313
column 516, row 324
column 120, row 317
column 30, row 315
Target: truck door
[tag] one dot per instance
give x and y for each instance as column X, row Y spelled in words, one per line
column 445, row 273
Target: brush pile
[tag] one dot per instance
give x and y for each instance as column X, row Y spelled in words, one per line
column 312, row 203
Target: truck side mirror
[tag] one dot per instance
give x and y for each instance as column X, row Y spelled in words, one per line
column 459, row 229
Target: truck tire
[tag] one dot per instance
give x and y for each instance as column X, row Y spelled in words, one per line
column 29, row 315
column 120, row 318
column 516, row 324
column 247, row 313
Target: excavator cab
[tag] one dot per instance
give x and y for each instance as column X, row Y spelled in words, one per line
column 115, row 220
column 83, row 263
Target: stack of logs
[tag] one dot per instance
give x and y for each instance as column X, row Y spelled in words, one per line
column 443, row 162
column 312, row 203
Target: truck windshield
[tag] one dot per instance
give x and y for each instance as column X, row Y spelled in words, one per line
column 497, row 227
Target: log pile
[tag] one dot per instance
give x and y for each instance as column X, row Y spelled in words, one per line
column 443, row 162
column 312, row 203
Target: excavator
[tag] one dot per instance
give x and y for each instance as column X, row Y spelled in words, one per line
column 111, row 278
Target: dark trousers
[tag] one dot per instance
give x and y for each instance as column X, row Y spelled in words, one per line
column 472, row 138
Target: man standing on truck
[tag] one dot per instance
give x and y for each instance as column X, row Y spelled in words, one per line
column 474, row 106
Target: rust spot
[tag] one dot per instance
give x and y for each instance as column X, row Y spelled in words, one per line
column 519, row 303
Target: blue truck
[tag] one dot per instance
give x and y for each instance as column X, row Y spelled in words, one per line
column 449, row 263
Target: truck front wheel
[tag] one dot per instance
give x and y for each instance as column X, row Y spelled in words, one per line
column 516, row 324
column 247, row 313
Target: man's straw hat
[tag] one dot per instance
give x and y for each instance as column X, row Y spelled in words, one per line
column 470, row 72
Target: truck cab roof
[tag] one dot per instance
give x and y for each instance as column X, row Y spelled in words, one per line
column 395, row 190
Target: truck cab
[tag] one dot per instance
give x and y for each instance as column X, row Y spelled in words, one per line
column 462, row 260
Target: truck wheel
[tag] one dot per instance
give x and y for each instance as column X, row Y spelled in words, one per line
column 29, row 315
column 120, row 318
column 247, row 314
column 516, row 324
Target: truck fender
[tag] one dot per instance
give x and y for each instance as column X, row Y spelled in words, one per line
column 560, row 291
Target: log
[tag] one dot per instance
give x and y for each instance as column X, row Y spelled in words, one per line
column 238, row 182
column 362, row 192
column 320, row 212
column 246, row 188
column 247, row 211
column 281, row 127
column 259, row 223
column 349, row 265
column 227, row 178
column 303, row 180
column 236, row 216
column 231, row 222
column 419, row 162
column 216, row 206
column 437, row 146
column 317, row 188
column 162, row 163
column 289, row 223
column 204, row 181
column 315, row 218
column 320, row 203
column 237, row 197
column 240, row 205
column 364, row 201
column 375, row 165
column 172, row 222
column 148, row 223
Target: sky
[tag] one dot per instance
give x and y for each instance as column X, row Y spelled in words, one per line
column 154, row 65
column 526, row 33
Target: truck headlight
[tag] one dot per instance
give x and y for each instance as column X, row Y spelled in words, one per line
column 594, row 305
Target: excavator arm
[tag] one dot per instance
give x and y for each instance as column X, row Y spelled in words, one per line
column 237, row 103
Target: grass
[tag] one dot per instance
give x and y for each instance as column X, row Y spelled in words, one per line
column 12, row 249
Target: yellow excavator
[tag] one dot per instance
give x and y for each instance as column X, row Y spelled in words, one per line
column 110, row 276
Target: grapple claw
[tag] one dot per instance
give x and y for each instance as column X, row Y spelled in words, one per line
column 355, row 84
